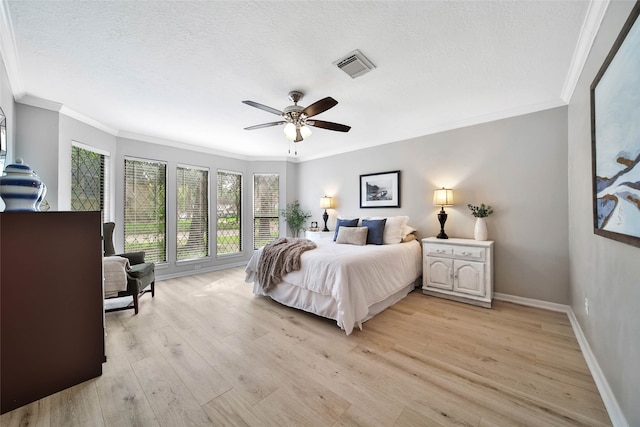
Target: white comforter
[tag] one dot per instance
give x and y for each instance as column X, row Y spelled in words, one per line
column 355, row 277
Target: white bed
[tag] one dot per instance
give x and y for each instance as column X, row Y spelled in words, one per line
column 347, row 283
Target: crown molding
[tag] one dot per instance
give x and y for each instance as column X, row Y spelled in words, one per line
column 590, row 27
column 87, row 120
column 176, row 144
column 9, row 51
column 452, row 125
column 46, row 104
column 36, row 101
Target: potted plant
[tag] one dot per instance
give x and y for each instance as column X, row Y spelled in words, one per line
column 295, row 217
column 480, row 212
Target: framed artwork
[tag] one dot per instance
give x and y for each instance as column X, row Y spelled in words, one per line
column 380, row 190
column 615, row 138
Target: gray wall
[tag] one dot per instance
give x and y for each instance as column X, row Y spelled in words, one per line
column 603, row 270
column 8, row 107
column 37, row 144
column 517, row 165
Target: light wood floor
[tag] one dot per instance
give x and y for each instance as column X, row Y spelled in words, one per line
column 206, row 351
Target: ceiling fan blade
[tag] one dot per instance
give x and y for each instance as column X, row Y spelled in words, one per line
column 263, row 107
column 329, row 125
column 320, row 106
column 298, row 135
column 264, row 125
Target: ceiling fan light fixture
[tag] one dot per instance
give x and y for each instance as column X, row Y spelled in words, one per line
column 296, row 117
column 290, row 131
column 305, row 131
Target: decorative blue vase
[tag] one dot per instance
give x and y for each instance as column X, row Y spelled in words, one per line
column 20, row 187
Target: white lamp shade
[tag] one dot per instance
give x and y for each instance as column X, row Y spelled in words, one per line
column 326, row 202
column 305, row 131
column 290, row 131
column 443, row 197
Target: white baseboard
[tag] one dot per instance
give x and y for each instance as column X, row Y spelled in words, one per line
column 608, row 398
column 532, row 302
column 160, row 277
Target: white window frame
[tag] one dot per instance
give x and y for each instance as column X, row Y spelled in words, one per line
column 108, row 208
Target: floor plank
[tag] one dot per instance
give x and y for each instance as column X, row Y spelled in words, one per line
column 206, row 351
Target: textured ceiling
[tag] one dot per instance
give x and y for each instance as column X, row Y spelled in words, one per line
column 178, row 71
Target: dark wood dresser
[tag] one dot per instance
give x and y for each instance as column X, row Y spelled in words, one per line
column 51, row 303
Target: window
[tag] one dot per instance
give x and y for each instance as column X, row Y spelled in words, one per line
column 89, row 180
column 229, row 212
column 192, row 213
column 144, row 208
column 266, row 223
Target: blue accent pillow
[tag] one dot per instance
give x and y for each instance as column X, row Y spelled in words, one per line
column 376, row 230
column 344, row 223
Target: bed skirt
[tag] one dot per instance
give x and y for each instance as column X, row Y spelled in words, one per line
column 324, row 305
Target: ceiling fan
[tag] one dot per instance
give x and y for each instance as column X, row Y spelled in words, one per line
column 297, row 118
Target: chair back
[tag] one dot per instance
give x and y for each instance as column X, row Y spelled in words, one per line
column 107, row 235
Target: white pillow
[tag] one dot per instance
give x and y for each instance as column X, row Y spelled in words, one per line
column 406, row 230
column 393, row 228
column 353, row 235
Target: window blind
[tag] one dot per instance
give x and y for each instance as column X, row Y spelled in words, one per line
column 192, row 213
column 266, row 201
column 229, row 213
column 145, row 208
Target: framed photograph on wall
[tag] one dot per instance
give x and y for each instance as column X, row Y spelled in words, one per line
column 380, row 190
column 615, row 138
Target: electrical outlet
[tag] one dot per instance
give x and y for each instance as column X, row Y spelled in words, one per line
column 586, row 306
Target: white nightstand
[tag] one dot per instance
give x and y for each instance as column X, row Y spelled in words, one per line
column 458, row 269
column 319, row 235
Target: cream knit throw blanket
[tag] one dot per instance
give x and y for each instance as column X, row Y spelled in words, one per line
column 280, row 257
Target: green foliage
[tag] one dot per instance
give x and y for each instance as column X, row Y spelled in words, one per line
column 295, row 217
column 481, row 211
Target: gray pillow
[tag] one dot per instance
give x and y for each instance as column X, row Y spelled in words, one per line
column 344, row 223
column 353, row 235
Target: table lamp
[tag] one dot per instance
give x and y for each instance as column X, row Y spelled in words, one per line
column 442, row 198
column 326, row 203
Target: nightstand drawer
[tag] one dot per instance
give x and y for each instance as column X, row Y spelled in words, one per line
column 439, row 250
column 469, row 253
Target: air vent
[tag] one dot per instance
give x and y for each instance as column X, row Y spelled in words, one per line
column 354, row 64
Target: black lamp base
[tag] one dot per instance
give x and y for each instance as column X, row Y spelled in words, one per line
column 442, row 218
column 325, row 216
